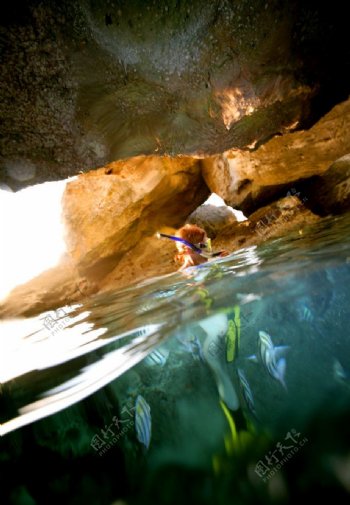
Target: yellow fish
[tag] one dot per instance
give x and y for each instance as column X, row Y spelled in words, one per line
column 233, row 335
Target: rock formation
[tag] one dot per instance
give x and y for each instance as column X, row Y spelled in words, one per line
column 329, row 192
column 212, row 218
column 83, row 84
column 109, row 211
column 105, row 214
column 246, row 180
column 275, row 220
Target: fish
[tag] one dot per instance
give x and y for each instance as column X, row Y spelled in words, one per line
column 146, row 307
column 304, row 313
column 246, row 391
column 233, row 336
column 195, row 348
column 339, row 372
column 143, row 422
column 269, row 355
column 157, row 357
column 191, row 341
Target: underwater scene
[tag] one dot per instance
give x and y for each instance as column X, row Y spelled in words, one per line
column 226, row 383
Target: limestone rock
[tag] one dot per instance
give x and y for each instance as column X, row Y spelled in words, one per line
column 246, row 180
column 58, row 286
column 329, row 193
column 211, row 218
column 106, row 214
column 151, row 257
column 109, row 211
column 274, row 220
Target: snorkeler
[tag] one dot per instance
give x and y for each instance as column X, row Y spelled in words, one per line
column 187, row 255
column 193, row 245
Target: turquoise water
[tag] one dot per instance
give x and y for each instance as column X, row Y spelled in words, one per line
column 159, row 393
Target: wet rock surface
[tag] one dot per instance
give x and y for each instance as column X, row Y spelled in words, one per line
column 109, row 211
column 275, row 220
column 248, row 180
column 330, row 191
column 212, row 218
column 85, row 84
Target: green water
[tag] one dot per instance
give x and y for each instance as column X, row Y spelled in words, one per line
column 71, row 382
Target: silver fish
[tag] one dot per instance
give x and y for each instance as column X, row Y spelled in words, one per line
column 269, row 355
column 192, row 344
column 146, row 307
column 196, row 348
column 304, row 313
column 157, row 357
column 147, row 329
column 246, row 391
column 143, row 423
column 339, row 372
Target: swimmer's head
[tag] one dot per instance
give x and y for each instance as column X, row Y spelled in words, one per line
column 193, row 234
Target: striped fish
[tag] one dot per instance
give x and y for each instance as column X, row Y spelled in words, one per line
column 340, row 374
column 147, row 329
column 191, row 343
column 143, row 423
column 304, row 313
column 269, row 355
column 246, row 391
column 157, row 357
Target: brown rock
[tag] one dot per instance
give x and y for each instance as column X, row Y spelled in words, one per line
column 53, row 288
column 107, row 215
column 212, row 218
column 248, row 179
column 329, row 193
column 110, row 216
column 274, row 220
column 151, row 257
